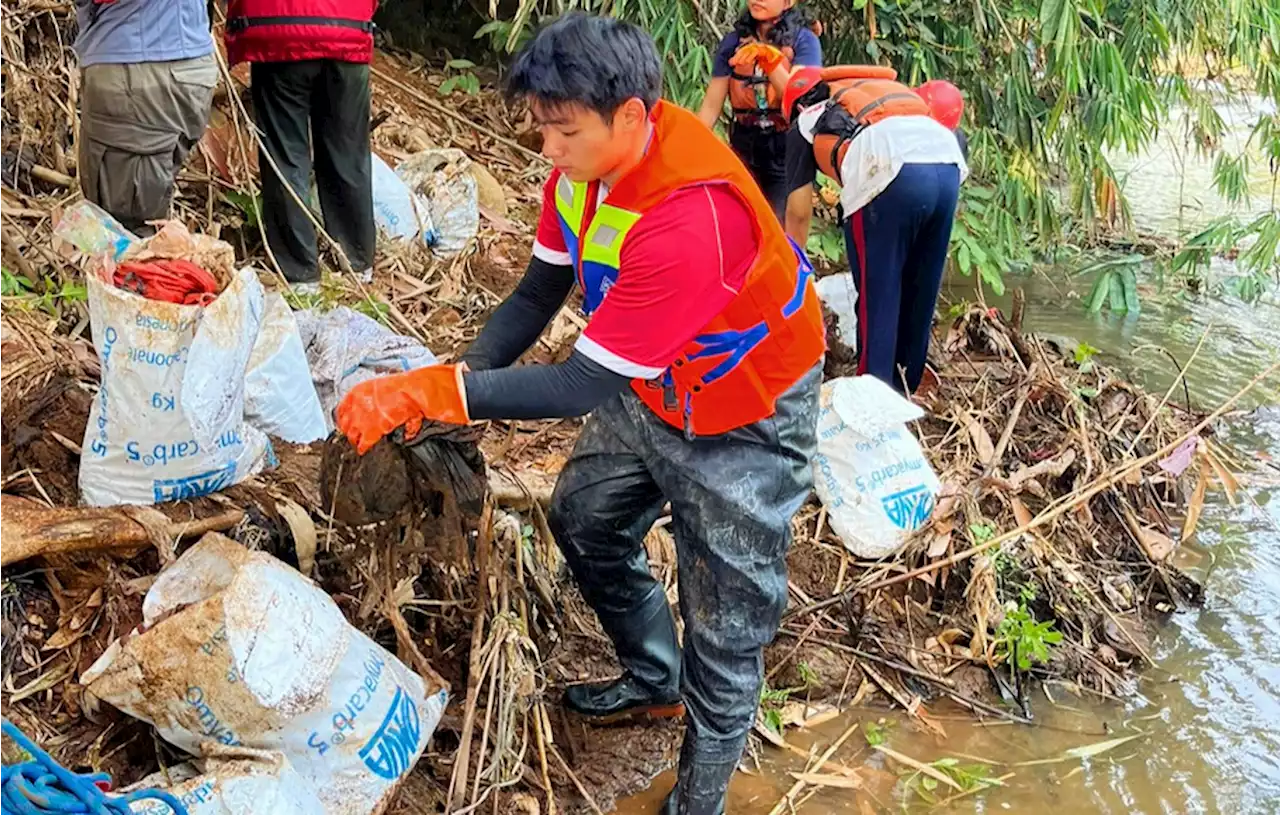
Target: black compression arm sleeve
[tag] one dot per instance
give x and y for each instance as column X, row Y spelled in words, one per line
column 573, row 388
column 516, row 324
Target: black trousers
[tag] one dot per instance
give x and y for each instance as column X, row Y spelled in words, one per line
column 732, row 500
column 322, row 104
column 765, row 154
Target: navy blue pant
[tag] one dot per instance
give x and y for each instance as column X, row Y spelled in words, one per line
column 897, row 248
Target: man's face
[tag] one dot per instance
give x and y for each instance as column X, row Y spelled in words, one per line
column 581, row 144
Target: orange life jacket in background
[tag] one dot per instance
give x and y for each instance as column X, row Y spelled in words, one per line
column 753, row 98
column 856, row 104
column 731, row 374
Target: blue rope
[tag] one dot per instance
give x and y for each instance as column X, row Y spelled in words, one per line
column 44, row 787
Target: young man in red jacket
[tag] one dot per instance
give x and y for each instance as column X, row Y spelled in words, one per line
column 310, row 86
column 700, row 365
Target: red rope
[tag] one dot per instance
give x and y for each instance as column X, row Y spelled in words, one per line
column 168, row 279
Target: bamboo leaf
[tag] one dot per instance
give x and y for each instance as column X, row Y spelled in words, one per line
column 1084, row 751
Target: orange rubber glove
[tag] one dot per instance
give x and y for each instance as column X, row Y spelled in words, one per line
column 378, row 406
column 757, row 53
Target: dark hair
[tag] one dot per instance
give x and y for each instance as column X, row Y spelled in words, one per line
column 785, row 29
column 820, row 92
column 583, row 59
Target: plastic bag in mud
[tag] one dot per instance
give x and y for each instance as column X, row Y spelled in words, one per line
column 869, row 471
column 400, row 212
column 238, row 648
column 444, row 177
column 345, row 347
column 237, row 781
column 839, row 295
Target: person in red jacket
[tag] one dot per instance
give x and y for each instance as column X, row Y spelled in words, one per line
column 700, row 366
column 310, row 85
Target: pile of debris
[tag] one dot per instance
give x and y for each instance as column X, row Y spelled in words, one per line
column 1060, row 482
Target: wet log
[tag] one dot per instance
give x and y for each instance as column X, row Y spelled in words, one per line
column 28, row 529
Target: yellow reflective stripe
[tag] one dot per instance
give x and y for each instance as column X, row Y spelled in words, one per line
column 571, row 203
column 603, row 243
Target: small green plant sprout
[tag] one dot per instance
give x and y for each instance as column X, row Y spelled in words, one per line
column 1023, row 640
column 460, row 78
column 1084, row 354
column 874, row 733
column 981, row 532
column 808, row 677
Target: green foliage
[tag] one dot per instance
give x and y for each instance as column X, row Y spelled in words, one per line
column 968, row 777
column 12, row 285
column 827, row 243
column 461, row 78
column 874, row 733
column 1256, row 246
column 1084, row 354
column 249, row 204
column 981, row 532
column 1116, row 288
column 1019, row 634
column 1051, row 86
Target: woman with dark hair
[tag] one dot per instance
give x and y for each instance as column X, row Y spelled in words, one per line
column 750, row 70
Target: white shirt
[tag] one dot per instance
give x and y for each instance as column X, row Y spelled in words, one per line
column 877, row 154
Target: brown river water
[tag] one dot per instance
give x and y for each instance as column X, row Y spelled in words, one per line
column 1207, row 716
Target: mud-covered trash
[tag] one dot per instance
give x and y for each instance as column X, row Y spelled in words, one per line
column 444, row 177
column 395, row 475
column 234, row 781
column 399, row 211
column 280, row 398
column 345, row 347
column 870, row 471
column 86, row 231
column 838, row 294
column 238, row 648
column 168, row 419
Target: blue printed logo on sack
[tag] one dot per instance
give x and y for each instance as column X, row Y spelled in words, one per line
column 389, row 754
column 194, row 486
column 910, row 508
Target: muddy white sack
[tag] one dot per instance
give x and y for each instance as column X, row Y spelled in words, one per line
column 167, row 422
column 280, row 398
column 239, row 648
column 869, row 471
column 245, row 782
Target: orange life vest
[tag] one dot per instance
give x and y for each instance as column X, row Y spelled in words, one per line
column 732, row 373
column 753, row 97
column 856, row 104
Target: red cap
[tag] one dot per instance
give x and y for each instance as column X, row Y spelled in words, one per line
column 946, row 105
column 801, row 82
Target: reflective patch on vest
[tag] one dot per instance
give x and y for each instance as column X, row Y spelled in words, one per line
column 605, row 236
column 564, row 189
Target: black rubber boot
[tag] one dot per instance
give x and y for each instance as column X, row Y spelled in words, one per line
column 646, row 643
column 702, row 780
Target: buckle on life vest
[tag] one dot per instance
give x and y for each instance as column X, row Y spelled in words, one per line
column 669, row 400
